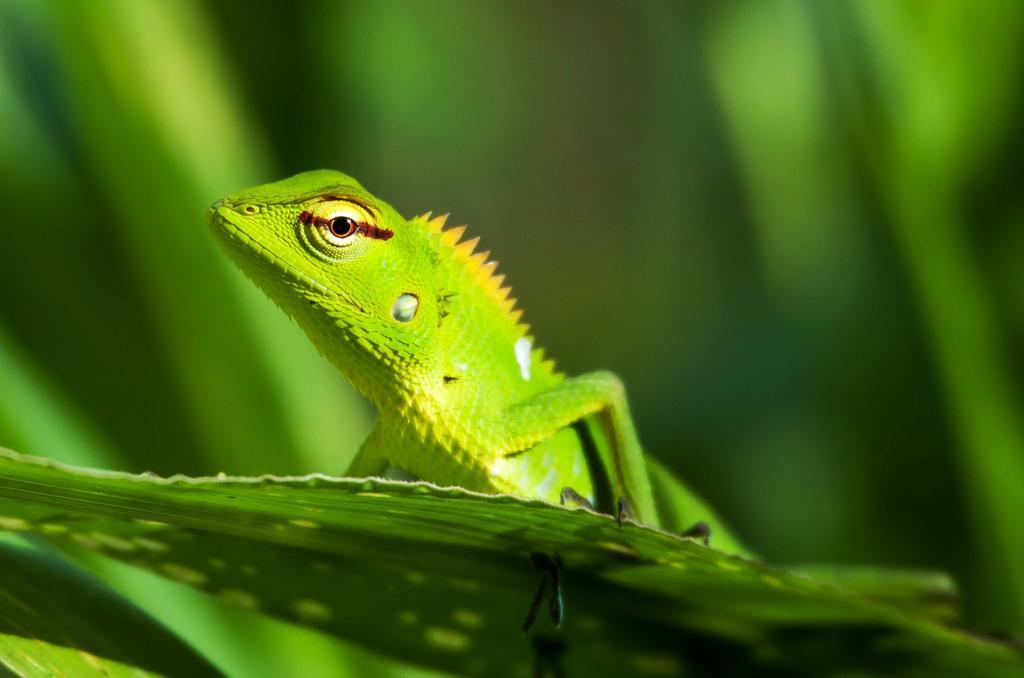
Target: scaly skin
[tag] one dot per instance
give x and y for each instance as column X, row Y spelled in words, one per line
column 423, row 328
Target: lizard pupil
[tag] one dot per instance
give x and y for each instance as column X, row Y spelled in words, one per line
column 342, row 227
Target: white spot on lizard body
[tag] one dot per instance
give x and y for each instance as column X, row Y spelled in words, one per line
column 498, row 467
column 522, row 350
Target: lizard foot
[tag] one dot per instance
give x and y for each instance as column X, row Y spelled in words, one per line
column 700, row 531
column 570, row 497
column 623, row 511
column 551, row 566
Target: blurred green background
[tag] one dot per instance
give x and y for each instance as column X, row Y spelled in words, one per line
column 796, row 229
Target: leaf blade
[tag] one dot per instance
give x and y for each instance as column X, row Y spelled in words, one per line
column 56, row 620
column 442, row 576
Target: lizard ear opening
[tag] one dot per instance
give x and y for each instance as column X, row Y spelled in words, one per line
column 405, row 307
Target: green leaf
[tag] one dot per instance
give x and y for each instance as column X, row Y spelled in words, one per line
column 443, row 577
column 57, row 621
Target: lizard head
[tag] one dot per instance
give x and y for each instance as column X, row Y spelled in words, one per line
column 345, row 265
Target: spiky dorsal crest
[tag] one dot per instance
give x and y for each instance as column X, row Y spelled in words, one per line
column 477, row 265
column 482, row 270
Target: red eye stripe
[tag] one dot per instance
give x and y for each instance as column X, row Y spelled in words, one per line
column 362, row 228
column 375, row 232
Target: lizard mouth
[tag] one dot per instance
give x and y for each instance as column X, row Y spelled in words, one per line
column 249, row 250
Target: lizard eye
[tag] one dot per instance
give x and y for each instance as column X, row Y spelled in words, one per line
column 340, row 230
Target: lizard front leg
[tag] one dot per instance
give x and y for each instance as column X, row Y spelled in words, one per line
column 372, row 459
column 598, row 394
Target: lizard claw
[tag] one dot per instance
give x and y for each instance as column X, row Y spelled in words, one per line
column 571, row 497
column 700, row 531
column 623, row 511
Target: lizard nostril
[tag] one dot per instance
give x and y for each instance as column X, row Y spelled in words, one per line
column 250, row 209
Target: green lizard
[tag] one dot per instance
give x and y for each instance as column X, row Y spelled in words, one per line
column 422, row 325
